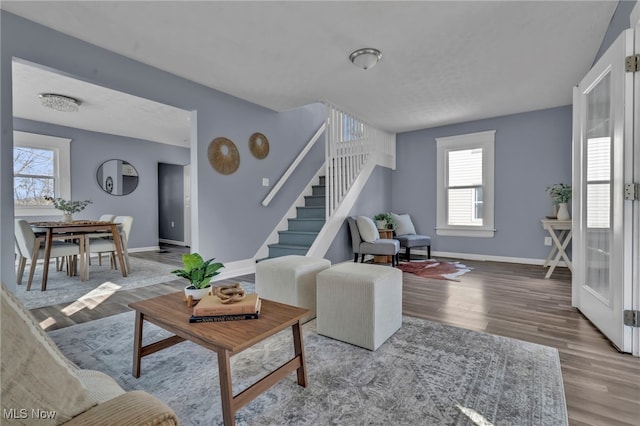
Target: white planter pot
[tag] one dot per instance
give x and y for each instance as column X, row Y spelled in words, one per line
column 563, row 212
column 381, row 224
column 196, row 293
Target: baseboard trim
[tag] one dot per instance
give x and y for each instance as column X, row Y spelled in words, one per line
column 141, row 249
column 173, row 242
column 485, row 258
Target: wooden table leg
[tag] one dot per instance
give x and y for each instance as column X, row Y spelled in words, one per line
column 226, row 388
column 47, row 255
column 561, row 246
column 118, row 244
column 298, row 348
column 137, row 344
column 83, row 263
column 552, row 251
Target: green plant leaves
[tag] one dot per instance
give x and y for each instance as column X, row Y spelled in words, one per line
column 198, row 271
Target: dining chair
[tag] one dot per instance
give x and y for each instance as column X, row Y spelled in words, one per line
column 22, row 262
column 30, row 245
column 101, row 234
column 107, row 245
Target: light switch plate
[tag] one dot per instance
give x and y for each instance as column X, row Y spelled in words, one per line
column 265, row 181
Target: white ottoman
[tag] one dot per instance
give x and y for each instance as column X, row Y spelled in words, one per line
column 359, row 303
column 290, row 280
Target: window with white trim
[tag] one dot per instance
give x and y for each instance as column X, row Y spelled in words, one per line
column 465, row 168
column 41, row 168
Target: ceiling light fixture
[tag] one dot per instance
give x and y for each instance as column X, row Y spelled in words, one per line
column 59, row 102
column 365, row 58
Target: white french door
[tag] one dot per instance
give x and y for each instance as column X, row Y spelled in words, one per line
column 603, row 221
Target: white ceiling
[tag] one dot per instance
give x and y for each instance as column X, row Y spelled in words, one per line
column 443, row 63
column 101, row 109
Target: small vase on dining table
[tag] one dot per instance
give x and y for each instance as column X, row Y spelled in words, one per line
column 67, row 217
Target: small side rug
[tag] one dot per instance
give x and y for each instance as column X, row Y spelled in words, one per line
column 427, row 373
column 435, row 269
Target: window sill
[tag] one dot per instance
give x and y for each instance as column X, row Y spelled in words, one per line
column 43, row 211
column 466, row 232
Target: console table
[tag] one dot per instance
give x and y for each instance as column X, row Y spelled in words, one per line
column 561, row 233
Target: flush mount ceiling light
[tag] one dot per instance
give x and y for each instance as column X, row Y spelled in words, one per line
column 365, row 58
column 59, row 102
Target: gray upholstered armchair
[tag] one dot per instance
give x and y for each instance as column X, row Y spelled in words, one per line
column 406, row 234
column 366, row 240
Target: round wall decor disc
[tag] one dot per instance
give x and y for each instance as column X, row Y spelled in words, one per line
column 259, row 145
column 223, row 156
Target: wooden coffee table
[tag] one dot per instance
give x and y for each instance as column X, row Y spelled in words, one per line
column 228, row 338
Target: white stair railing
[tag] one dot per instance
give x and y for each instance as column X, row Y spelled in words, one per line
column 293, row 166
column 350, row 143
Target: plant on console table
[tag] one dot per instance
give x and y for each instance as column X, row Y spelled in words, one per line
column 199, row 273
column 68, row 207
column 561, row 194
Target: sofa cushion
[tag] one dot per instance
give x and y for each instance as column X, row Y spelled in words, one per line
column 101, row 387
column 35, row 375
column 368, row 230
column 404, row 226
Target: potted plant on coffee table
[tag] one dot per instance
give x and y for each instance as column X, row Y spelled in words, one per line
column 199, row 273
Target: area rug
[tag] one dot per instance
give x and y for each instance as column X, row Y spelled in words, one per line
column 435, row 269
column 425, row 374
column 102, row 280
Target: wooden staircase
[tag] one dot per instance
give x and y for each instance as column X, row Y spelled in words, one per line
column 304, row 228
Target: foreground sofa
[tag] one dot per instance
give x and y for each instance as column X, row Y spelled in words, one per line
column 41, row 386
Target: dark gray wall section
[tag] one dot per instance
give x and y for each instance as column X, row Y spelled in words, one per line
column 89, row 150
column 619, row 23
column 532, row 151
column 171, row 201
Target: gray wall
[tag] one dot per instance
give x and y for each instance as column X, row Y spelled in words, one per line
column 375, row 198
column 88, row 151
column 532, row 151
column 231, row 222
column 231, row 225
column 619, row 23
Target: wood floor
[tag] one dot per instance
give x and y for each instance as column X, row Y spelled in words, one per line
column 602, row 386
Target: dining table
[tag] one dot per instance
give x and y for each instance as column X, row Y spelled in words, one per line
column 77, row 229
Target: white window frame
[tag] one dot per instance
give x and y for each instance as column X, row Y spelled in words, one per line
column 485, row 141
column 61, row 168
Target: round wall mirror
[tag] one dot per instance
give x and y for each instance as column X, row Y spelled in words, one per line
column 117, row 177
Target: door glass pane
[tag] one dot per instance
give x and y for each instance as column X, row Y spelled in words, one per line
column 598, row 194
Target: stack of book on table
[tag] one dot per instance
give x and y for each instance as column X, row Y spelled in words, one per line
column 211, row 309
